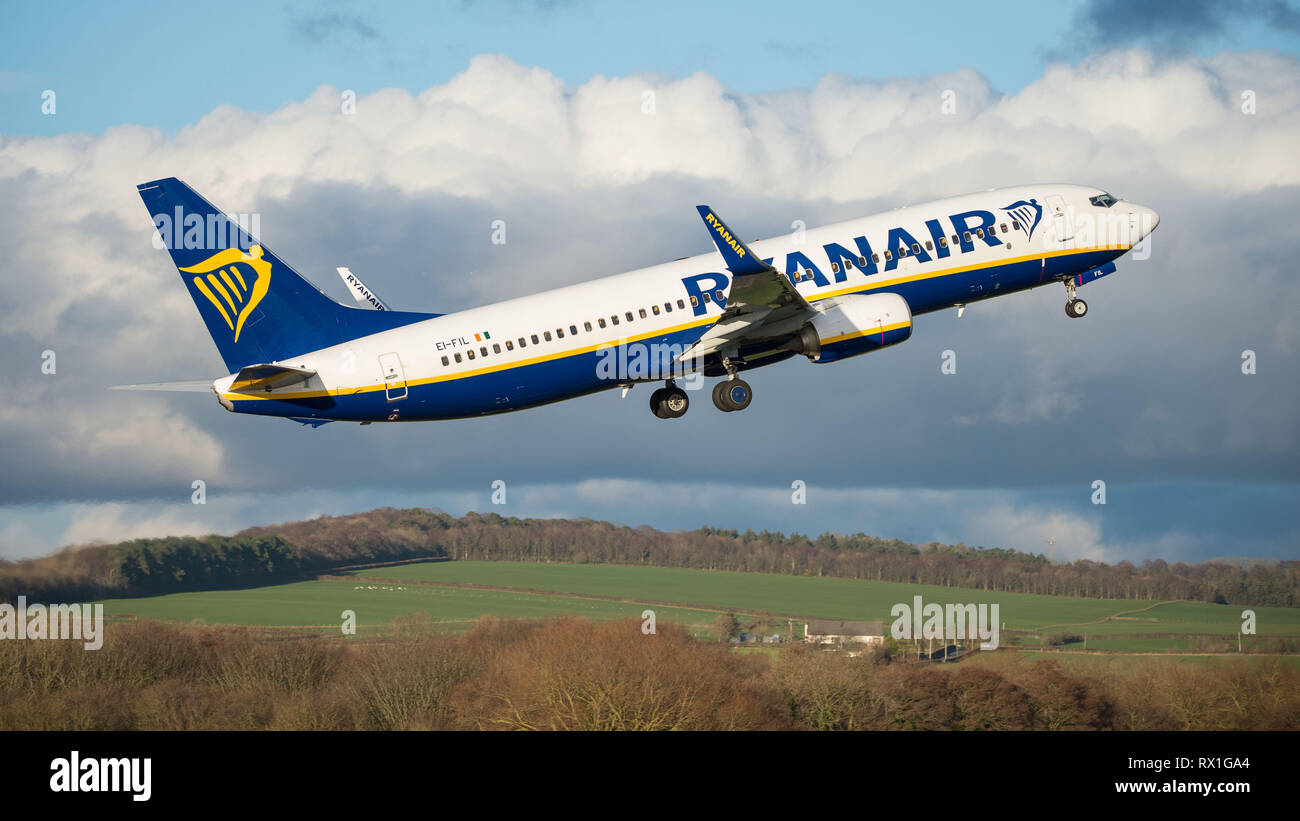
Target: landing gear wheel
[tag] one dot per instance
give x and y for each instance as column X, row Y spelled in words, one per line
column 669, row 403
column 657, row 403
column 1076, row 308
column 675, row 403
column 732, row 395
column 719, row 401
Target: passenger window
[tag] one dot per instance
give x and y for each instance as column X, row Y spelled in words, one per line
column 559, row 332
column 642, row 312
column 1004, row 227
column 717, row 295
column 835, row 267
column 457, row 357
column 601, row 322
column 445, row 361
column 534, row 338
column 546, row 335
column 966, row 237
column 668, row 306
column 875, row 257
column 483, row 350
column 889, row 255
column 614, row 319
column 573, row 330
column 497, row 348
column 862, row 262
column 510, row 346
column 470, row 353
column 1015, row 225
column 586, row 326
column 902, row 252
column 694, row 300
column 928, row 245
column 943, row 242
column 681, row 303
column 654, row 309
column 916, row 248
column 979, row 232
column 706, row 297
column 955, row 241
column 629, row 316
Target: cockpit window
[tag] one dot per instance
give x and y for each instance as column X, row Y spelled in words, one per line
column 1103, row 200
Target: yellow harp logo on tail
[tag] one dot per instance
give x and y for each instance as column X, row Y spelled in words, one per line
column 232, row 291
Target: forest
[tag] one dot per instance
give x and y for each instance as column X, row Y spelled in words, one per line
column 285, row 552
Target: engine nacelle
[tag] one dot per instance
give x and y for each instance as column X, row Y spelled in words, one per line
column 852, row 325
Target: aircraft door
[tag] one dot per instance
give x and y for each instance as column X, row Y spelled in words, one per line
column 394, row 376
column 1060, row 217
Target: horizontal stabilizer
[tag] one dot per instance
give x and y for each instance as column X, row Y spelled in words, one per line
column 188, row 386
column 269, row 377
column 315, row 423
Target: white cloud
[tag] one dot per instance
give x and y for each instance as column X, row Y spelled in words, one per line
column 511, row 139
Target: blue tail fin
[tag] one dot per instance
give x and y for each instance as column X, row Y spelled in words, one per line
column 256, row 307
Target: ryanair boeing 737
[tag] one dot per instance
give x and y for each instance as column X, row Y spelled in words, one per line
column 826, row 294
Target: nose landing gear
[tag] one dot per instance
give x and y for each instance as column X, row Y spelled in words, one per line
column 1074, row 307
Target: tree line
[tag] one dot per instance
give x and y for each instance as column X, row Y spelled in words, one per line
column 265, row 555
column 572, row 674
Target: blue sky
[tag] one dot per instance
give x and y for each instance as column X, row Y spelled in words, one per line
column 153, row 64
column 530, row 112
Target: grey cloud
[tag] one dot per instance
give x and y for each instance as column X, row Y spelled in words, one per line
column 318, row 28
column 1147, row 389
column 1174, row 24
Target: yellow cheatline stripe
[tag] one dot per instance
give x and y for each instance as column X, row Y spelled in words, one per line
column 872, row 332
column 869, row 286
column 203, row 289
column 898, row 280
column 221, row 289
column 239, row 296
column 234, row 269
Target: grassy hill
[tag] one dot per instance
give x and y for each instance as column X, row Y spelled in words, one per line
column 453, row 594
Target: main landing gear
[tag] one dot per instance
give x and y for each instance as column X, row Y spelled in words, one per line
column 669, row 402
column 732, row 393
column 1074, row 307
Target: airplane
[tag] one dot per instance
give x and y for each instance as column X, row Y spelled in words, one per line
column 827, row 294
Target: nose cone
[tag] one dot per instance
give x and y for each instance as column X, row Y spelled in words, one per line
column 1142, row 220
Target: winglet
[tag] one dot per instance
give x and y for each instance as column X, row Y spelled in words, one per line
column 365, row 298
column 740, row 260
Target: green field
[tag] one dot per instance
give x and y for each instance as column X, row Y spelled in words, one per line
column 318, row 606
column 831, row 598
column 691, row 597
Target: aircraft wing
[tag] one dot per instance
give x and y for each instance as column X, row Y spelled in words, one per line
column 760, row 302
